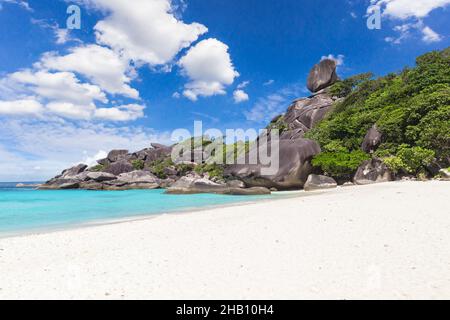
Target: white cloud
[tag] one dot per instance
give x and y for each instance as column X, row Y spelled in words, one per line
column 176, row 95
column 20, row 107
column 240, row 96
column 71, row 111
column 405, row 31
column 45, row 94
column 339, row 58
column 21, row 3
column 99, row 64
column 92, row 161
column 269, row 82
column 404, row 9
column 414, row 12
column 430, row 36
column 59, row 86
column 146, row 31
column 209, row 67
column 122, row 113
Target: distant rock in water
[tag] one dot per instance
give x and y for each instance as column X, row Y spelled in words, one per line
column 28, row 185
column 322, row 75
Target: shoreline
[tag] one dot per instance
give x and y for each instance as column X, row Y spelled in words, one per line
column 382, row 241
column 148, row 216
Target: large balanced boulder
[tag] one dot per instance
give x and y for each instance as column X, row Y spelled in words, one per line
column 372, row 140
column 317, row 182
column 294, row 166
column 372, row 171
column 322, row 75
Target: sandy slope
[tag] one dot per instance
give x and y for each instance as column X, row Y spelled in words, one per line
column 380, row 241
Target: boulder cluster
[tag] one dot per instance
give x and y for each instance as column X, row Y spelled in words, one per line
column 122, row 170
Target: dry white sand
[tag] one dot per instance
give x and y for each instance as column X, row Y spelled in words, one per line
column 380, row 241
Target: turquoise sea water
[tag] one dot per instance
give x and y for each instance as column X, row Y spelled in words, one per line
column 23, row 210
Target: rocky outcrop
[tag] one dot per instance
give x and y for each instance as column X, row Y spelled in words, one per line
column 372, row 171
column 116, row 155
column 372, row 140
column 73, row 172
column 194, row 184
column 322, row 75
column 304, row 114
column 118, row 170
column 100, row 176
column 119, row 167
column 293, row 171
column 317, row 182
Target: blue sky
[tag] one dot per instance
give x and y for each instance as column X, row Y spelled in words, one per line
column 133, row 73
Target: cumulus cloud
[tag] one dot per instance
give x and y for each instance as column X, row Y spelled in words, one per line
column 122, row 113
column 146, row 32
column 209, row 67
column 43, row 93
column 240, row 96
column 59, row 86
column 20, row 107
column 99, row 64
column 413, row 12
column 404, row 9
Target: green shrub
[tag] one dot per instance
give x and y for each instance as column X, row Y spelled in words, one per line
column 416, row 158
column 138, row 164
column 213, row 170
column 343, row 88
column 395, row 164
column 184, row 168
column 158, row 167
column 340, row 165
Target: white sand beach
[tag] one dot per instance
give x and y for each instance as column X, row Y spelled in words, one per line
column 388, row 241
